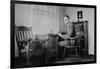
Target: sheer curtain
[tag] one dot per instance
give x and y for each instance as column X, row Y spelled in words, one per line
column 44, row 19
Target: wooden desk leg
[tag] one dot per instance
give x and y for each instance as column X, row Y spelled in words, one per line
column 64, row 52
column 46, row 59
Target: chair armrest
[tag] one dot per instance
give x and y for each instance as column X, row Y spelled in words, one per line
column 71, row 38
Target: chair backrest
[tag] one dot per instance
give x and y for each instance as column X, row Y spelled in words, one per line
column 23, row 34
column 73, row 41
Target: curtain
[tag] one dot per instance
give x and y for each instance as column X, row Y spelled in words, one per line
column 44, row 19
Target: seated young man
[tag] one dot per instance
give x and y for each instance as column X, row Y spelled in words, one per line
column 70, row 30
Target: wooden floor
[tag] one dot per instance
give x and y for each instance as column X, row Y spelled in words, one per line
column 41, row 60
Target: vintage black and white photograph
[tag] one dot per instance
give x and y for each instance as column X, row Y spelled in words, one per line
column 46, row 34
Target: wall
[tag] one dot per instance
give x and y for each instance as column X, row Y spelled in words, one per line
column 88, row 14
column 61, row 13
column 22, row 14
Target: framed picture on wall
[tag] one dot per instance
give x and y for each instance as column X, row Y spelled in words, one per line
column 37, row 37
column 80, row 14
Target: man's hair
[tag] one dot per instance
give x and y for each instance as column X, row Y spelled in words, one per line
column 67, row 16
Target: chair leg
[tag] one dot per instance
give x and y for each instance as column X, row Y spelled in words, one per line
column 57, row 55
column 27, row 59
column 27, row 48
column 46, row 59
column 76, row 52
